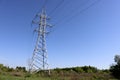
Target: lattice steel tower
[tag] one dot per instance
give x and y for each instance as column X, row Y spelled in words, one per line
column 39, row 58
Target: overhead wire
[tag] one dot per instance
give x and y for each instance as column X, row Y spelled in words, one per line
column 69, row 18
column 69, row 3
column 75, row 15
column 58, row 5
column 63, row 4
column 68, row 6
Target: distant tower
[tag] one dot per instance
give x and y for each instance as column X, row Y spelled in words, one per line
column 39, row 58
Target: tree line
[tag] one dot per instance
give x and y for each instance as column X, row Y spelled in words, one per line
column 8, row 69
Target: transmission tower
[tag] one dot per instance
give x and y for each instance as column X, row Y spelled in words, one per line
column 39, row 58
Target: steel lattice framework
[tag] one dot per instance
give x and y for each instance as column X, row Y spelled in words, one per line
column 39, row 58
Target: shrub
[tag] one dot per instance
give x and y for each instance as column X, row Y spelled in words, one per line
column 78, row 70
column 115, row 68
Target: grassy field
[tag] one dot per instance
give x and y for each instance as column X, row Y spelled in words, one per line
column 85, row 76
column 40, row 78
column 74, row 73
column 22, row 78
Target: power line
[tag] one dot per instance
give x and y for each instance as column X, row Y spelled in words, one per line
column 72, row 11
column 66, row 6
column 73, row 16
column 58, row 5
column 63, row 6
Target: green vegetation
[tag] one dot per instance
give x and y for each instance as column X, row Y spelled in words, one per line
column 73, row 73
column 115, row 68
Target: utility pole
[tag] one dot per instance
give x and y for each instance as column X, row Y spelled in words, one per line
column 39, row 58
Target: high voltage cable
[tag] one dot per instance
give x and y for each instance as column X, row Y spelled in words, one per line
column 69, row 5
column 82, row 3
column 70, row 18
column 58, row 5
column 62, row 6
column 73, row 16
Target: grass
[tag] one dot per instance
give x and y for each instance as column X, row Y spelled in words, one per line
column 77, row 73
column 80, row 77
column 8, row 77
column 21, row 78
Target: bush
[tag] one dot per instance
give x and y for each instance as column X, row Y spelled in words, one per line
column 115, row 69
column 78, row 70
column 89, row 69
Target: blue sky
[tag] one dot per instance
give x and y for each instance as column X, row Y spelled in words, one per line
column 80, row 35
